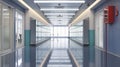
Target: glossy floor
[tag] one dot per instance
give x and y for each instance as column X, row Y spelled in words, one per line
column 86, row 56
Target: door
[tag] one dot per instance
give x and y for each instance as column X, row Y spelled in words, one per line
column 19, row 28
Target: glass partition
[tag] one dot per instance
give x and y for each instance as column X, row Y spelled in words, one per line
column 76, row 41
column 0, row 26
column 5, row 27
column 42, row 32
column 99, row 25
column 76, row 32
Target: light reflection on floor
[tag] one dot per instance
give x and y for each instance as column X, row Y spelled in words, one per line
column 59, row 43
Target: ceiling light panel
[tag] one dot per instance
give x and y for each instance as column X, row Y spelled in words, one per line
column 60, row 20
column 58, row 1
column 54, row 9
column 59, row 16
column 59, row 13
column 68, row 5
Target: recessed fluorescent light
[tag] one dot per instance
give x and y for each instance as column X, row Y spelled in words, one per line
column 53, row 9
column 38, row 1
column 60, row 17
column 59, row 13
column 59, row 21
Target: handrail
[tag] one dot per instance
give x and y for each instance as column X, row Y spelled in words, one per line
column 44, row 60
column 75, row 61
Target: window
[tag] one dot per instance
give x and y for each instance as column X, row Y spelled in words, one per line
column 19, row 28
column 0, row 26
column 76, row 32
column 99, row 28
column 42, row 32
column 59, row 31
column 5, row 27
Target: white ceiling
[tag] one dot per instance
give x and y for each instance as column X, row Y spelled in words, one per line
column 59, row 13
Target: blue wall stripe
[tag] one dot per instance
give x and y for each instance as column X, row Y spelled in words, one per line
column 27, row 37
column 92, row 44
column 92, row 37
column 27, row 46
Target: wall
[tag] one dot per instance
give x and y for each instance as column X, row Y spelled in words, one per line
column 33, row 31
column 113, row 29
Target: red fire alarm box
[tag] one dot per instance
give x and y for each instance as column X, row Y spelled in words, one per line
column 109, row 14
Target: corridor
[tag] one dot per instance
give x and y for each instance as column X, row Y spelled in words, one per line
column 59, row 33
column 60, row 55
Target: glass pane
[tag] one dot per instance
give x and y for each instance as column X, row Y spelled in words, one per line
column 42, row 32
column 5, row 28
column 76, row 32
column 19, row 35
column 0, row 26
column 60, row 32
column 99, row 29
